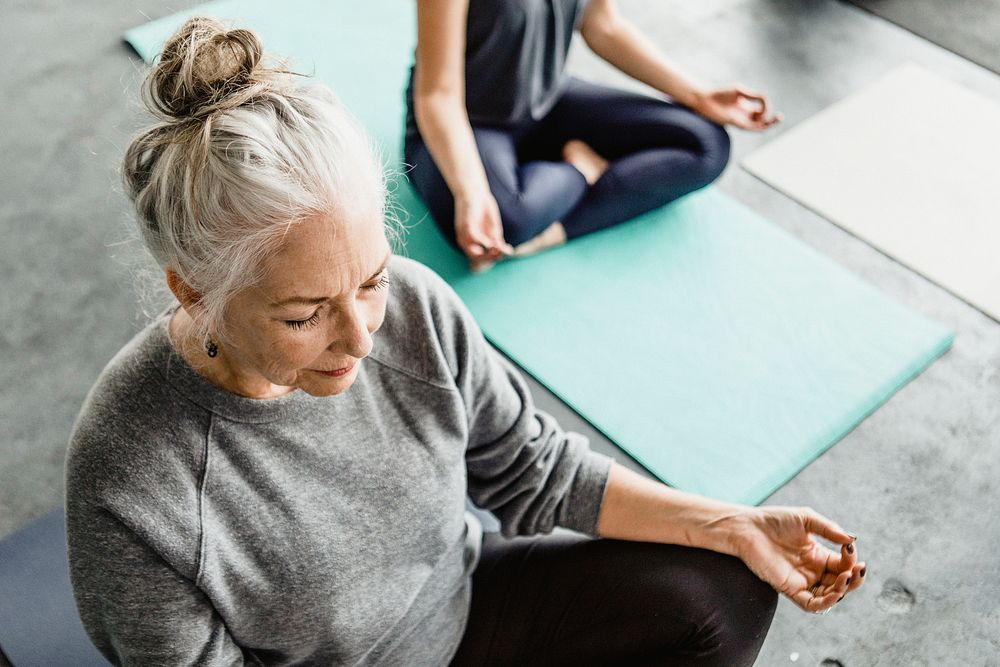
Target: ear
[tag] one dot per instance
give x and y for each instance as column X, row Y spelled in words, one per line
column 189, row 297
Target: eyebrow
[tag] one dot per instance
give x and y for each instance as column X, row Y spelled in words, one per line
column 315, row 300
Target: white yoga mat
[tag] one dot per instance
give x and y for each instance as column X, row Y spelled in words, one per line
column 911, row 164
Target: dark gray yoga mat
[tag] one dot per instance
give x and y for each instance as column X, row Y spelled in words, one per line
column 970, row 28
column 39, row 626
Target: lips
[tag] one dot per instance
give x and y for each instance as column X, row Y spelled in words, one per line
column 338, row 372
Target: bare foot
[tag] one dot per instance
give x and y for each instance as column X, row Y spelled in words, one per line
column 480, row 264
column 585, row 159
column 553, row 235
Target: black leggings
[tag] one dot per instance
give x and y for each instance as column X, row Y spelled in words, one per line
column 571, row 600
column 658, row 151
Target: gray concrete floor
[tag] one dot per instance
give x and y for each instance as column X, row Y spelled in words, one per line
column 916, row 480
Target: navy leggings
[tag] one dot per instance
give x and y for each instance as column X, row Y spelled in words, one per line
column 569, row 600
column 658, row 151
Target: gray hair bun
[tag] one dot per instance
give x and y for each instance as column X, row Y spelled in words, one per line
column 206, row 68
column 239, row 154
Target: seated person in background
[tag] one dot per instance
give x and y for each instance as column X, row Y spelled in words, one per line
column 275, row 470
column 507, row 150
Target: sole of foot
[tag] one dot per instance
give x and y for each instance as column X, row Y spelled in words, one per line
column 585, row 159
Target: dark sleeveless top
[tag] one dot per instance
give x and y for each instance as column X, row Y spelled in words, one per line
column 515, row 58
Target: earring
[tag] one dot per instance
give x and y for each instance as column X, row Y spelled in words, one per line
column 211, row 349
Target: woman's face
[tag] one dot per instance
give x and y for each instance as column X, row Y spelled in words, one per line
column 309, row 323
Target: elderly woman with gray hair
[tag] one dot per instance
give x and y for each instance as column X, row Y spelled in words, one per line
column 275, row 470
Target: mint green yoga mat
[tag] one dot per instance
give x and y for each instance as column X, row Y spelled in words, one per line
column 721, row 353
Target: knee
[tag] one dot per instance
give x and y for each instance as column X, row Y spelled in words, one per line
column 430, row 186
column 757, row 599
column 521, row 222
column 424, row 176
column 726, row 607
column 716, row 148
column 741, row 615
column 684, row 605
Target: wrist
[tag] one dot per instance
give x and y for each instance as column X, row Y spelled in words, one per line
column 695, row 99
column 470, row 191
column 730, row 531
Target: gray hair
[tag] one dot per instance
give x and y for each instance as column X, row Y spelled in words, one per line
column 239, row 154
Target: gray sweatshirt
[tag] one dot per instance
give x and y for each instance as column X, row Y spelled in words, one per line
column 207, row 528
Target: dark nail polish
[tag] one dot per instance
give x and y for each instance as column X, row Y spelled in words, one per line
column 840, row 598
column 852, row 536
column 863, row 570
column 849, row 580
column 850, row 548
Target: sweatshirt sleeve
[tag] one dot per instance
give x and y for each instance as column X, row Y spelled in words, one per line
column 137, row 609
column 521, row 465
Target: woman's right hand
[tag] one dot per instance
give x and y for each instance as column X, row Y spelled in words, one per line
column 478, row 229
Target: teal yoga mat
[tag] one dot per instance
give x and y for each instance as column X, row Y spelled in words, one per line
column 721, row 353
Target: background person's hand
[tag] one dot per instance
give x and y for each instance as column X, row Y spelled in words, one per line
column 736, row 106
column 478, row 229
column 780, row 547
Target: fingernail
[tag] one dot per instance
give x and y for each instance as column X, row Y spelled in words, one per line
column 863, row 570
column 849, row 580
column 840, row 598
column 852, row 536
column 850, row 548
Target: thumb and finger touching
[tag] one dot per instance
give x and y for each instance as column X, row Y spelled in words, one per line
column 816, row 577
column 760, row 117
column 481, row 235
column 842, row 573
column 471, row 244
column 818, row 524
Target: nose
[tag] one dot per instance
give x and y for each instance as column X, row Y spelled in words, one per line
column 351, row 335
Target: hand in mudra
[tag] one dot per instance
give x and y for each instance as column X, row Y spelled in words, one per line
column 779, row 546
column 478, row 230
column 736, row 106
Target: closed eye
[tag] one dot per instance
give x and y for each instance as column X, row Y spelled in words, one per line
column 303, row 324
column 382, row 283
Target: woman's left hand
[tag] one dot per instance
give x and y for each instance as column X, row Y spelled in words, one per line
column 778, row 544
column 736, row 106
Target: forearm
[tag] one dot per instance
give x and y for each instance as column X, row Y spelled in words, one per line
column 618, row 42
column 638, row 509
column 444, row 127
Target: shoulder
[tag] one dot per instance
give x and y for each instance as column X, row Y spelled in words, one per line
column 417, row 288
column 133, row 428
column 426, row 327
